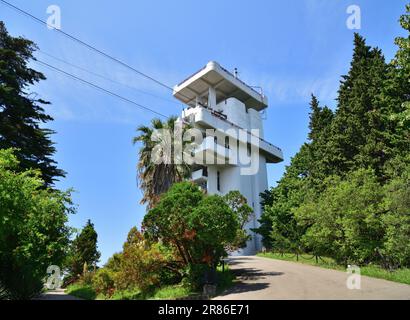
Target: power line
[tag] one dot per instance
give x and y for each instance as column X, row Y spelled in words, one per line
column 90, row 47
column 104, row 77
column 101, row 89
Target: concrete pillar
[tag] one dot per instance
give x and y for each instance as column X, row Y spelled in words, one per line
column 211, row 97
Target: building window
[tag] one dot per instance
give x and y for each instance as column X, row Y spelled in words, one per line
column 218, row 181
column 227, row 143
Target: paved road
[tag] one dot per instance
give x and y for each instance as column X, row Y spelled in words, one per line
column 57, row 294
column 266, row 279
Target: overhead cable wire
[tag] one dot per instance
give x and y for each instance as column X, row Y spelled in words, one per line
column 89, row 46
column 101, row 89
column 105, row 77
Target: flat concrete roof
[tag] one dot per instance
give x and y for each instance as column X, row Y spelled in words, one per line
column 225, row 84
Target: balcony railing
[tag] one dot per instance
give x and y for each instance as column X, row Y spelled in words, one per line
column 222, row 117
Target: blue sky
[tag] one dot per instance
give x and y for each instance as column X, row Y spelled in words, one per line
column 291, row 48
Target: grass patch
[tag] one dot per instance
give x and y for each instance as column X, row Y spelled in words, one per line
column 81, row 291
column 400, row 275
column 172, row 293
column 164, row 293
column 130, row 294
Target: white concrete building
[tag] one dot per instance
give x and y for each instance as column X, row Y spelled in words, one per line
column 218, row 100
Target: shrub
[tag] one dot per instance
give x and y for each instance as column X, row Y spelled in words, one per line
column 103, row 282
column 33, row 231
column 195, row 276
column 141, row 263
column 87, row 277
column 396, row 247
column 345, row 221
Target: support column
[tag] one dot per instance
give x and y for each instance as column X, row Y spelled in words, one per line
column 211, row 97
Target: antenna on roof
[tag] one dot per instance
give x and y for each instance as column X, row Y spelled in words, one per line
column 235, row 72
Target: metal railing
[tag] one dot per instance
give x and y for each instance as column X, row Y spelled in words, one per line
column 212, row 112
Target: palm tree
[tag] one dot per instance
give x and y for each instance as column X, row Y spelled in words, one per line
column 155, row 179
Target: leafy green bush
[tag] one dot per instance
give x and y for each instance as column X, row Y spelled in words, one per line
column 396, row 220
column 103, row 282
column 345, row 220
column 141, row 263
column 33, row 231
column 195, row 276
column 87, row 277
column 357, row 220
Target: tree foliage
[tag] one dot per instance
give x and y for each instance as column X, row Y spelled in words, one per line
column 141, row 266
column 21, row 112
column 396, row 220
column 198, row 227
column 156, row 178
column 344, row 222
column 142, row 263
column 168, row 221
column 33, row 230
column 83, row 251
column 278, row 226
column 239, row 205
column 214, row 226
column 345, row 193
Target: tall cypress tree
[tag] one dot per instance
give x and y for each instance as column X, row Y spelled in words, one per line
column 21, row 113
column 321, row 119
column 357, row 138
column 83, row 250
